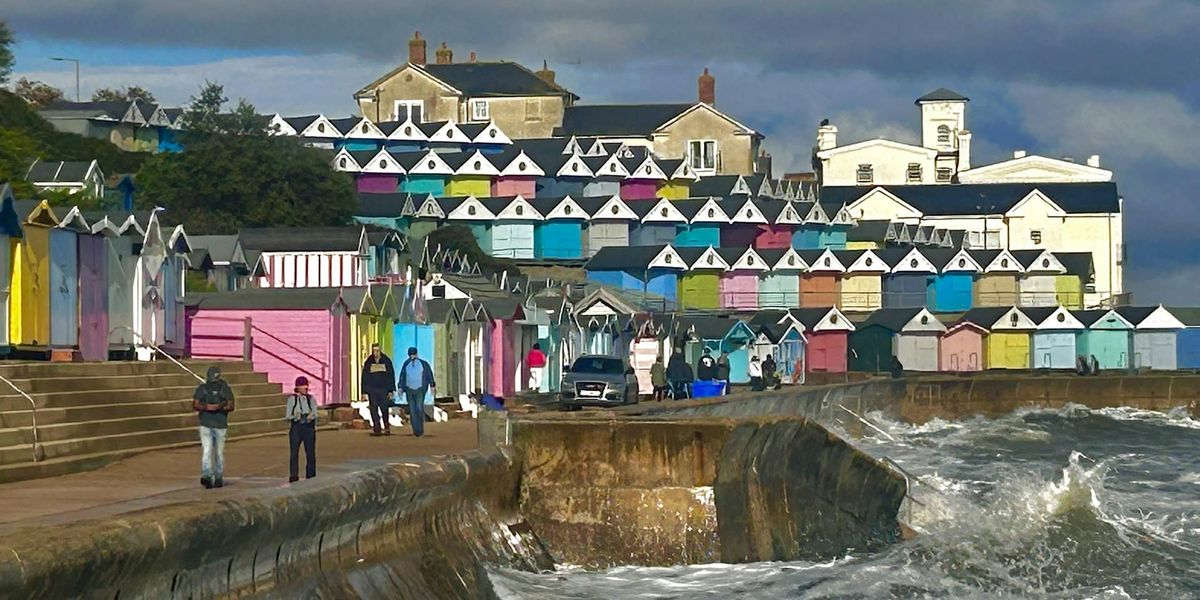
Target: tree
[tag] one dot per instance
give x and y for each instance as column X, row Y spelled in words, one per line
column 6, row 55
column 126, row 94
column 235, row 175
column 37, row 93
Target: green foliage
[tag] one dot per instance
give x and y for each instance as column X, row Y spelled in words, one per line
column 460, row 238
column 196, row 282
column 37, row 93
column 124, row 94
column 6, row 55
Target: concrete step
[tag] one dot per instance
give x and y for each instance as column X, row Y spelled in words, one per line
column 13, row 402
column 86, row 462
column 125, row 410
column 130, row 441
column 122, row 382
column 32, row 369
column 58, row 432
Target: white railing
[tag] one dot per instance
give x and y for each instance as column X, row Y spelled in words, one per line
column 38, row 452
column 155, row 347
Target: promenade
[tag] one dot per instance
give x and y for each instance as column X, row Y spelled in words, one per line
column 173, row 476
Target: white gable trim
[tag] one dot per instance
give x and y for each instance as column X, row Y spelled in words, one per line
column 998, row 266
column 597, row 148
column 889, row 144
column 710, row 259
column 278, row 126
column 749, row 213
column 612, row 167
column 344, row 157
column 492, row 134
column 1036, row 194
column 1053, row 322
column 383, row 162
column 321, row 128
column 672, row 214
column 431, row 164
column 1046, row 262
column 574, row 167
column 462, row 211
column 914, row 262
column 408, row 132
column 827, row 262
column 684, row 171
column 905, row 210
column 74, row 221
column 477, row 164
column 710, row 212
column 572, row 146
column 931, row 323
column 668, row 258
column 834, row 320
column 430, row 208
column 868, row 262
column 816, row 214
column 842, row 217
column 409, row 208
column 372, row 131
column 616, row 209
column 527, row 213
column 789, row 216
column 749, row 261
column 797, row 262
column 1116, row 315
column 1161, row 318
column 1006, row 321
column 740, row 187
column 567, row 209
column 449, row 133
column 522, row 166
column 962, row 262
column 649, row 169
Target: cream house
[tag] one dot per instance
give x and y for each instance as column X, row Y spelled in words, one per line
column 1058, row 217
column 1031, row 168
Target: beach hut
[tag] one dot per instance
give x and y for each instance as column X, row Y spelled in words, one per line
column 790, row 352
column 381, row 210
column 1155, row 336
column 448, row 359
column 504, row 357
column 424, row 215
column 300, row 331
column 403, row 136
column 120, row 232
column 380, row 172
column 721, row 334
column 700, row 285
column 1038, row 284
column 174, row 268
column 472, row 213
column 862, row 283
column 609, row 172
column 559, row 235
column 1187, row 340
column 1108, row 337
column 1007, row 345
column 10, row 233
column 659, row 222
column 566, row 174
column 473, row 174
column 320, row 256
column 1055, row 341
column 474, row 335
column 961, row 348
column 425, row 173
column 608, row 223
column 745, row 220
column 680, row 178
column 833, row 235
column 998, row 285
column 513, row 229
column 518, row 174
column 650, row 273
column 952, row 287
column 1080, row 272
column 645, row 174
column 64, row 280
column 739, row 284
column 907, row 283
column 444, row 136
column 782, row 221
column 358, row 133
column 705, row 218
column 820, row 285
column 29, row 300
column 909, row 334
column 827, row 332
column 780, row 286
column 807, row 236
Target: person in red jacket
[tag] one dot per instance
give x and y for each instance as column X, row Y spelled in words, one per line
column 536, row 359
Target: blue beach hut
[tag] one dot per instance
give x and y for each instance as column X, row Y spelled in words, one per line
column 1055, row 342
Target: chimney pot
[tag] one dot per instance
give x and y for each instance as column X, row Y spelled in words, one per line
column 416, row 49
column 444, row 55
column 707, row 87
column 1018, row 154
column 1094, row 161
column 546, row 74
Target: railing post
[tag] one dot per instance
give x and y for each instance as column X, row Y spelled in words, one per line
column 247, row 340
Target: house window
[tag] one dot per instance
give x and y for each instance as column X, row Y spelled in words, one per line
column 1035, row 236
column 533, row 111
column 865, row 173
column 943, row 134
column 914, row 172
column 479, row 110
column 944, row 173
column 703, row 155
column 438, row 291
column 404, row 110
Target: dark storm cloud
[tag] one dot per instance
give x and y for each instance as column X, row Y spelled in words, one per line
column 1138, row 43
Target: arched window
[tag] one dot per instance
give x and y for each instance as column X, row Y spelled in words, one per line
column 342, row 162
column 943, row 134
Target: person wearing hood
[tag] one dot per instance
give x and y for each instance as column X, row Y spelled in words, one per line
column 301, row 412
column 213, row 401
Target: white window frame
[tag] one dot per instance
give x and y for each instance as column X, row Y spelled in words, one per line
column 943, row 134
column 944, row 174
column 914, row 169
column 865, row 173
column 473, row 108
column 699, row 167
column 408, row 105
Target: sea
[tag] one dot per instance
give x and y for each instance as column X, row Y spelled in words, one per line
column 1067, row 503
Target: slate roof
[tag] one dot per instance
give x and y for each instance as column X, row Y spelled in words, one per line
column 1089, row 317
column 961, row 199
column 497, row 203
column 809, row 317
column 1077, row 263
column 219, row 247
column 708, row 328
column 300, row 123
column 1038, row 314
column 618, row 119
column 942, row 95
column 619, row 258
column 495, row 79
column 301, row 239
column 274, row 299
column 380, row 205
column 714, row 185
column 985, row 316
column 58, row 171
column 1136, row 314
column 1190, row 316
column 892, row 319
column 112, row 110
column 868, row 231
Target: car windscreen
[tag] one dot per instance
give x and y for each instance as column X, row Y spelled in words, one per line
column 599, row 366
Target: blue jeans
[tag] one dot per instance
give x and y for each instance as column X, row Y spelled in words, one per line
column 212, row 450
column 416, row 409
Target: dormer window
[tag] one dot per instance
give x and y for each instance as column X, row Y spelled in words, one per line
column 914, row 173
column 865, row 173
column 943, row 134
column 479, row 110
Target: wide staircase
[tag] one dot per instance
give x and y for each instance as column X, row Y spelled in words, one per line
column 90, row 414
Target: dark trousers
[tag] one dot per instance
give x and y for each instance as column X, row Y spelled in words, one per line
column 756, row 384
column 379, row 405
column 303, row 433
column 416, row 409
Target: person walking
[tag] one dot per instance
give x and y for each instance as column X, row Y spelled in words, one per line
column 536, row 359
column 769, row 373
column 213, row 400
column 658, row 379
column 723, row 372
column 1093, row 366
column 301, row 411
column 679, row 374
column 378, row 384
column 416, row 378
column 756, row 375
column 706, row 367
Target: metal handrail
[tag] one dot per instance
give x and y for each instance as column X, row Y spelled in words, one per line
column 867, row 423
column 39, row 453
column 155, row 347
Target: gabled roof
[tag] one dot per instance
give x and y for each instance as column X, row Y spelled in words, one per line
column 1077, row 263
column 614, row 258
column 302, row 239
column 388, row 204
column 561, row 207
column 999, row 318
column 663, row 211
column 868, row 231
column 1189, row 316
column 821, row 319
column 481, row 79
column 60, row 171
column 1052, row 317
column 618, row 120
column 1150, row 317
column 713, row 328
column 1091, row 318
column 942, row 95
column 703, row 258
column 963, row 199
column 220, row 248
column 902, row 319
column 607, row 207
column 701, row 210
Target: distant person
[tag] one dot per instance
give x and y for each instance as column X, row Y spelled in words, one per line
column 488, row 400
column 378, row 388
column 755, row 371
column 1081, row 366
column 536, row 359
column 897, row 368
column 213, row 400
column 1094, row 366
column 770, row 377
column 723, row 371
column 706, row 367
column 416, row 377
column 301, row 412
column 679, row 374
column 658, row 379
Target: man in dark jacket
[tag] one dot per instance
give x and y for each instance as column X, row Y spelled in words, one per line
column 213, row 401
column 678, row 375
column 706, row 367
column 416, row 379
column 378, row 387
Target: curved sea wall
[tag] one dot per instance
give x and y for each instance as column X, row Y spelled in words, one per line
column 419, row 529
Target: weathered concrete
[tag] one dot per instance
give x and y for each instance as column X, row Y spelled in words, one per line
column 603, row 492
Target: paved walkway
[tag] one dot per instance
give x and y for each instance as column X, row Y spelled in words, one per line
column 155, row 479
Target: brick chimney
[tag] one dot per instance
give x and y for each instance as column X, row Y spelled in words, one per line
column 416, row 49
column 444, row 55
column 546, row 74
column 707, row 85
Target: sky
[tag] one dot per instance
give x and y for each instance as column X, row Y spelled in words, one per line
column 1117, row 78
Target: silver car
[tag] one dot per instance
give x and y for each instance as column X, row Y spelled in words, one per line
column 596, row 380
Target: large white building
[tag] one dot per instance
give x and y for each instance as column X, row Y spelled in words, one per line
column 1028, row 202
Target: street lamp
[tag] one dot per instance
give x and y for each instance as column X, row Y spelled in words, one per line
column 76, row 61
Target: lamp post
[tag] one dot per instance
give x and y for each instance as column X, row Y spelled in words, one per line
column 990, row 208
column 76, row 61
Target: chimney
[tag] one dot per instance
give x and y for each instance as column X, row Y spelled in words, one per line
column 444, row 55
column 1018, row 154
column 546, row 74
column 1094, row 161
column 707, row 85
column 416, row 49
column 964, row 150
column 472, row 57
column 826, row 136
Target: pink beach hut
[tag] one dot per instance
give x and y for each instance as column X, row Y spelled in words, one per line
column 961, row 349
column 739, row 284
column 504, row 336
